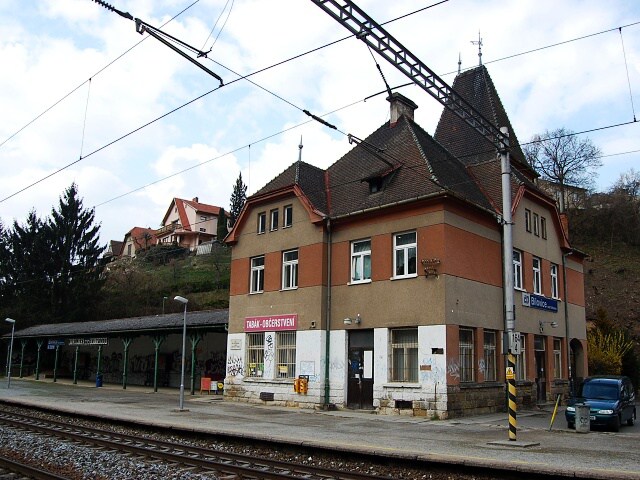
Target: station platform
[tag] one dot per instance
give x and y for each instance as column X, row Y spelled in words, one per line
column 473, row 441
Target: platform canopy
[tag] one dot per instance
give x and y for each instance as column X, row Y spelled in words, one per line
column 207, row 320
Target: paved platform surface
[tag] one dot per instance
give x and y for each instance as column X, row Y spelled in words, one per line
column 479, row 440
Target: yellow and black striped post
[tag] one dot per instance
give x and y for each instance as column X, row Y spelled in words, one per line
column 511, row 381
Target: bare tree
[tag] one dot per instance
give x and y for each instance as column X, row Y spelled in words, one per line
column 561, row 157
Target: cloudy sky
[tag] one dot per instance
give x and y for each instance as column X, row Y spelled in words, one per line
column 86, row 99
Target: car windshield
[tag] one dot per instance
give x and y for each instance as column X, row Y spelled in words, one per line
column 600, row 391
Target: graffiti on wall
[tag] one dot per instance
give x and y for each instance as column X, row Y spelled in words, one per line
column 235, row 366
column 453, row 367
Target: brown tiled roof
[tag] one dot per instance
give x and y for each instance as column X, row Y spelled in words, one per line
column 310, row 179
column 477, row 88
column 457, row 160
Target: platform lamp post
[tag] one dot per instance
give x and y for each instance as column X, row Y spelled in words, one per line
column 184, row 301
column 163, row 300
column 13, row 328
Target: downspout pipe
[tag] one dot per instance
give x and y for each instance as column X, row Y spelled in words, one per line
column 327, row 388
column 566, row 317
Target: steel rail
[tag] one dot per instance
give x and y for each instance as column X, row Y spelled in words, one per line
column 244, row 466
column 10, row 466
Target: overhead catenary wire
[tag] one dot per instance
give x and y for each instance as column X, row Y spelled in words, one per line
column 216, row 23
column 72, row 91
column 626, row 65
column 254, row 73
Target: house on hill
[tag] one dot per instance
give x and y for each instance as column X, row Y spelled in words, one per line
column 189, row 223
column 136, row 239
column 377, row 283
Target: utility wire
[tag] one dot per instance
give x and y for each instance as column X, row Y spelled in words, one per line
column 627, row 67
column 272, row 66
column 215, row 24
column 93, row 76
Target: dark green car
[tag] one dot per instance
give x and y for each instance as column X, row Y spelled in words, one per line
column 611, row 401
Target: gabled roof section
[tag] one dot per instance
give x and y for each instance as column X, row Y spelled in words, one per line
column 421, row 168
column 180, row 204
column 477, row 88
column 308, row 178
column 141, row 236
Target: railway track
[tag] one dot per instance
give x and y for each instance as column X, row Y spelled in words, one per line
column 226, row 465
column 10, row 468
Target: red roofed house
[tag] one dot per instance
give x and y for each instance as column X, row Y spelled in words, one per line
column 136, row 239
column 189, row 223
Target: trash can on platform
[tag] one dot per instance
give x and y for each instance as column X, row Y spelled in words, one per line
column 583, row 423
column 99, row 380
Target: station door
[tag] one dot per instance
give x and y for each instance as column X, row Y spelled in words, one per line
column 360, row 383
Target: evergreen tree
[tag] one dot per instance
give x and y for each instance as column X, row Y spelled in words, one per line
column 238, row 197
column 27, row 256
column 76, row 270
column 222, row 225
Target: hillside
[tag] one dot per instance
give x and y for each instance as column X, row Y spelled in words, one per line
column 612, row 282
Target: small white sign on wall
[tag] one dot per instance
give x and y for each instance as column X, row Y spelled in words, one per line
column 236, row 344
column 308, row 368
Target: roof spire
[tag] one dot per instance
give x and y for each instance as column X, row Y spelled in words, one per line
column 297, row 177
column 479, row 43
column 459, row 62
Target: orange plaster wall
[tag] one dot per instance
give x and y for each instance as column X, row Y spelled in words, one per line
column 381, row 261
column 272, row 271
column 461, row 259
column 340, row 263
column 240, row 269
column 311, row 265
column 575, row 287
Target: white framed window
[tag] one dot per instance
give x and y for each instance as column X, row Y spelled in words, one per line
column 517, row 269
column 543, row 227
column 557, row 358
column 290, row 270
column 467, row 372
column 286, row 354
column 255, row 354
column 537, row 276
column 536, row 224
column 490, row 365
column 257, row 274
column 360, row 261
column 555, row 293
column 262, row 222
column 203, row 229
column 288, row 216
column 521, row 360
column 274, row 220
column 405, row 252
column 203, row 218
column 527, row 219
column 404, row 355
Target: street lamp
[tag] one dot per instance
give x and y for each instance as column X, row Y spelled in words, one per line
column 184, row 301
column 13, row 328
column 163, row 300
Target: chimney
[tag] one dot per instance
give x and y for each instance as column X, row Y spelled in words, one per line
column 400, row 105
column 195, row 199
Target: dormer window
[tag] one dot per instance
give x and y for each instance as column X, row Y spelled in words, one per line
column 379, row 181
column 375, row 184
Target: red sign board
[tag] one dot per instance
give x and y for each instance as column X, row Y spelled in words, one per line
column 271, row 323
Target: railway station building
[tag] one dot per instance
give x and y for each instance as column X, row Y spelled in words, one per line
column 377, row 283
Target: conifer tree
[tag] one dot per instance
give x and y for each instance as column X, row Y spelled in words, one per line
column 238, row 197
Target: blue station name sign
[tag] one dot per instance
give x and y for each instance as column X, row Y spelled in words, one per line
column 538, row 301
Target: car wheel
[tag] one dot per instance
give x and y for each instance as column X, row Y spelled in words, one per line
column 616, row 424
column 571, row 425
column 632, row 419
